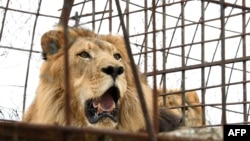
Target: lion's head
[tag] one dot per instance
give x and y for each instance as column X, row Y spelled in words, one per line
column 102, row 87
column 98, row 75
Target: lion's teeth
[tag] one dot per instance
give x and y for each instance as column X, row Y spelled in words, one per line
column 96, row 115
column 95, row 103
column 99, row 108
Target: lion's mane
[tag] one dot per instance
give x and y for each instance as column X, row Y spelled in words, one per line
column 193, row 110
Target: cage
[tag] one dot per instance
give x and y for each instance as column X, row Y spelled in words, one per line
column 182, row 46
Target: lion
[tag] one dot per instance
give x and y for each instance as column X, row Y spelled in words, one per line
column 102, row 88
column 193, row 114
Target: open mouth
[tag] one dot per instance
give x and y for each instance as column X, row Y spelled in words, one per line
column 104, row 106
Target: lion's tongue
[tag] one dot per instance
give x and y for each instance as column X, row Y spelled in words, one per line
column 105, row 103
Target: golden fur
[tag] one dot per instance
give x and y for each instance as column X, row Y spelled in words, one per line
column 90, row 57
column 193, row 115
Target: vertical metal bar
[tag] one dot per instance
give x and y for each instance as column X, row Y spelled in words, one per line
column 102, row 19
column 110, row 16
column 203, row 90
column 64, row 17
column 173, row 34
column 232, row 67
column 76, row 19
column 149, row 124
column 217, row 46
column 155, row 107
column 127, row 15
column 146, row 36
column 30, row 53
column 164, row 48
column 93, row 15
column 183, row 56
column 122, row 17
column 244, row 62
column 83, row 4
column 223, row 71
column 147, row 25
column 4, row 16
column 67, row 5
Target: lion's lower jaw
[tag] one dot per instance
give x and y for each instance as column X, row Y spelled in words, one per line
column 105, row 124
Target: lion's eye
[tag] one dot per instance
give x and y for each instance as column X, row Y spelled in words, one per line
column 117, row 56
column 84, row 54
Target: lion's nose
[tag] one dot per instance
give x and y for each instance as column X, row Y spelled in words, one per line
column 113, row 71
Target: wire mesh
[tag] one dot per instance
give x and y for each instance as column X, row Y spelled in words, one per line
column 200, row 46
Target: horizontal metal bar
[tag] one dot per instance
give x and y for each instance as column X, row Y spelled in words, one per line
column 12, row 130
column 198, row 66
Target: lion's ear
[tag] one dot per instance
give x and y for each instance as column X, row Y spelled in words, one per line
column 51, row 42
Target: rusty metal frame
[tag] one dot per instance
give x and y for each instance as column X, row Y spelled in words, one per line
column 16, row 130
column 24, row 131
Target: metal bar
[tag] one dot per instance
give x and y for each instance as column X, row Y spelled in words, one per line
column 26, row 12
column 223, row 71
column 203, row 91
column 155, row 103
column 194, row 59
column 215, row 63
column 201, row 20
column 124, row 13
column 164, row 46
column 29, row 58
column 222, row 39
column 90, row 14
column 64, row 19
column 245, row 117
column 194, row 23
column 216, row 125
column 227, row 89
column 22, row 131
column 149, row 124
column 20, row 49
column 233, row 64
column 79, row 16
column 187, row 44
column 105, row 11
column 145, row 41
column 4, row 16
column 93, row 15
column 183, row 74
column 214, row 105
column 76, row 4
column 173, row 34
column 206, row 87
column 225, row 4
column 244, row 59
column 212, row 1
column 127, row 16
column 110, row 16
